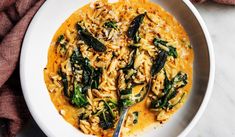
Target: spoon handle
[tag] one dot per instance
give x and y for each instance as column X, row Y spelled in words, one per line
column 120, row 122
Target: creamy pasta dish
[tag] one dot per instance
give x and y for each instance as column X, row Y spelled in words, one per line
column 107, row 56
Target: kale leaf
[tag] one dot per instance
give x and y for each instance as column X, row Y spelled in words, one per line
column 107, row 118
column 134, row 26
column 65, row 83
column 170, row 91
column 159, row 63
column 171, row 51
column 90, row 40
column 78, row 98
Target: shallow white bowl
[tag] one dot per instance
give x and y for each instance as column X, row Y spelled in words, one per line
column 34, row 58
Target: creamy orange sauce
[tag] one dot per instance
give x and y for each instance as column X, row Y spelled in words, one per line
column 146, row 117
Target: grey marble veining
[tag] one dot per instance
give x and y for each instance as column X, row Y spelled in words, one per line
column 219, row 118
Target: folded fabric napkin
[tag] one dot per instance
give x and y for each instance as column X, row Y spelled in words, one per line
column 15, row 16
column 229, row 2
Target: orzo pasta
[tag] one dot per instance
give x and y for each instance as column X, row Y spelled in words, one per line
column 104, row 56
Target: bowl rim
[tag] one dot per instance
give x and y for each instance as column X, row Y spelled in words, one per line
column 203, row 104
column 210, row 84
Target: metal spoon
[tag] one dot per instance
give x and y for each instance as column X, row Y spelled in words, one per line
column 124, row 112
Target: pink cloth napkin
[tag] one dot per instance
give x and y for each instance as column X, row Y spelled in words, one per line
column 229, row 2
column 15, row 16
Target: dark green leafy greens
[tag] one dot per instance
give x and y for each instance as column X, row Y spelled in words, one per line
column 134, row 27
column 60, row 38
column 130, row 65
column 170, row 91
column 111, row 24
column 106, row 120
column 90, row 75
column 157, row 42
column 78, row 98
column 107, row 117
column 129, row 70
column 90, row 79
column 126, row 98
column 65, row 83
column 62, row 42
column 179, row 101
column 84, row 116
column 129, row 73
column 95, row 78
column 90, row 40
column 76, row 58
column 159, row 63
column 137, row 37
column 171, row 50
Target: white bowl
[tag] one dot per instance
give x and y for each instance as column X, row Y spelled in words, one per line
column 34, row 58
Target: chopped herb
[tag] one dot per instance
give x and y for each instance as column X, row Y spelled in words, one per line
column 83, row 116
column 142, row 94
column 112, row 103
column 180, row 80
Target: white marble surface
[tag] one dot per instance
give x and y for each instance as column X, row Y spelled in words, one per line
column 218, row 119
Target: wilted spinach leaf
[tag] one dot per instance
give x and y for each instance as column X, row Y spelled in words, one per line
column 78, row 98
column 170, row 91
column 171, row 51
column 90, row 40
